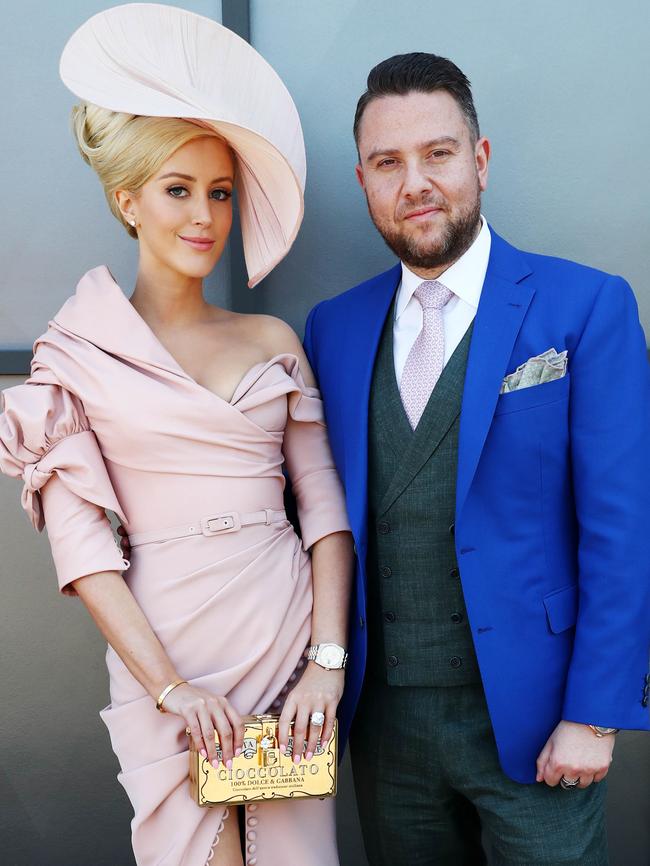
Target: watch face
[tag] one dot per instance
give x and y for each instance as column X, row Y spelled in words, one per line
column 330, row 656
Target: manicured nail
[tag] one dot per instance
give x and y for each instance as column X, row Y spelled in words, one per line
column 309, row 756
column 297, row 759
column 283, row 748
column 237, row 752
column 203, row 753
column 215, row 763
column 229, row 764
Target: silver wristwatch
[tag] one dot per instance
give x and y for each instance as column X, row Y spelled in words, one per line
column 330, row 656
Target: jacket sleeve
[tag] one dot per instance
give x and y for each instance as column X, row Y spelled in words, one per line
column 610, row 451
column 46, row 440
column 318, row 493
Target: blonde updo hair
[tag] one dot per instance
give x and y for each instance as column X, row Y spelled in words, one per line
column 126, row 150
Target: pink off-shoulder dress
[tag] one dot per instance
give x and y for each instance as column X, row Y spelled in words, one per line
column 108, row 420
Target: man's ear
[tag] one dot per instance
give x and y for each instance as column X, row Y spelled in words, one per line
column 359, row 173
column 482, row 155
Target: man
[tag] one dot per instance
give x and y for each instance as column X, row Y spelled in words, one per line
column 489, row 413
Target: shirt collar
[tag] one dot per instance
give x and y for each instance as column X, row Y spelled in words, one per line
column 464, row 278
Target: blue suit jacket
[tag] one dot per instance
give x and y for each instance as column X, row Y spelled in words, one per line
column 553, row 492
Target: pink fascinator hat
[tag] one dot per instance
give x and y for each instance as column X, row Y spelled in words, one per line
column 161, row 61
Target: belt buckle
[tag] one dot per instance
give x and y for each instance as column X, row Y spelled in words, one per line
column 221, row 524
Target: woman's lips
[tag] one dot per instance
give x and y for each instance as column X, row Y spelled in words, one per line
column 201, row 244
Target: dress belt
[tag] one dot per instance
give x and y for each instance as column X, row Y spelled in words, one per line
column 215, row 524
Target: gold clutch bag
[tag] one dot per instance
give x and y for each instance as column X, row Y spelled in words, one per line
column 262, row 771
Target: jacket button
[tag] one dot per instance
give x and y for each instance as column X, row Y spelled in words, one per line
column 456, row 617
column 385, row 571
column 454, row 573
column 393, row 661
column 452, row 529
column 455, row 661
column 384, row 528
column 389, row 616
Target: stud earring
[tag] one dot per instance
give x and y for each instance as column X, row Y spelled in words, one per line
column 132, row 223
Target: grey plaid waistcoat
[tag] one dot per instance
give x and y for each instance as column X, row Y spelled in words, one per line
column 417, row 623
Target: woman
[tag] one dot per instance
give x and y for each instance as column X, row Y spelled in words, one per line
column 178, row 416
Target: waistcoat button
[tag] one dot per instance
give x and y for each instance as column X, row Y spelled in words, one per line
column 454, row 573
column 393, row 661
column 385, row 571
column 456, row 617
column 384, row 528
column 389, row 616
column 452, row 529
column 455, row 661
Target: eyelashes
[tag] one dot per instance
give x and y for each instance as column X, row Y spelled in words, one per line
column 178, row 191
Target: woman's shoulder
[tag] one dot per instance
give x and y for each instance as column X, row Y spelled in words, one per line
column 277, row 333
column 277, row 337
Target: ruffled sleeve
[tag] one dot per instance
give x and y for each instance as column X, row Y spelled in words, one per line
column 319, row 495
column 46, row 440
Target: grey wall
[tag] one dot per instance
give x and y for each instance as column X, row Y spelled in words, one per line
column 568, row 177
column 561, row 90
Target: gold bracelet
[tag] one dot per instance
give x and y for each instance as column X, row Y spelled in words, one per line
column 166, row 691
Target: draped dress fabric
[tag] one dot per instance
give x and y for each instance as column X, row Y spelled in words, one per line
column 109, row 420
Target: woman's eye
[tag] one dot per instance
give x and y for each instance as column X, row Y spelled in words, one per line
column 177, row 191
column 220, row 194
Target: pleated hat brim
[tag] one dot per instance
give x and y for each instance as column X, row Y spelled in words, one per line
column 162, row 61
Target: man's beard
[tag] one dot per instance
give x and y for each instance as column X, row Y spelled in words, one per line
column 429, row 254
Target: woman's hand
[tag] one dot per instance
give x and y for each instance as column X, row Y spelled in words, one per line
column 124, row 542
column 125, row 627
column 318, row 690
column 205, row 713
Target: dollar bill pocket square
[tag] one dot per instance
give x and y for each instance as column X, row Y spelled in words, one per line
column 542, row 368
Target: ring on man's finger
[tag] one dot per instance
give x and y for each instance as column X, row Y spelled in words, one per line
column 317, row 718
column 567, row 784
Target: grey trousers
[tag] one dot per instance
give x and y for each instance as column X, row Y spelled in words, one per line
column 429, row 788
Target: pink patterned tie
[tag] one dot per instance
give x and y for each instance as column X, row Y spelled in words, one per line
column 426, row 358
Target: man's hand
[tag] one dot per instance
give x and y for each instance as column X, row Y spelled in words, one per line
column 574, row 751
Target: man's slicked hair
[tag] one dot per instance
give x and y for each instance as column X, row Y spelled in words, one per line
column 423, row 73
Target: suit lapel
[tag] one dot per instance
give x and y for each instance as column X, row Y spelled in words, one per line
column 502, row 308
column 364, row 328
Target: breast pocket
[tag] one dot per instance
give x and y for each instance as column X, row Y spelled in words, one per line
column 536, row 395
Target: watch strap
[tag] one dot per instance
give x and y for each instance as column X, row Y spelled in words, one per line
column 312, row 652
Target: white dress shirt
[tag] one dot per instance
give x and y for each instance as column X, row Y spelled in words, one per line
column 464, row 278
